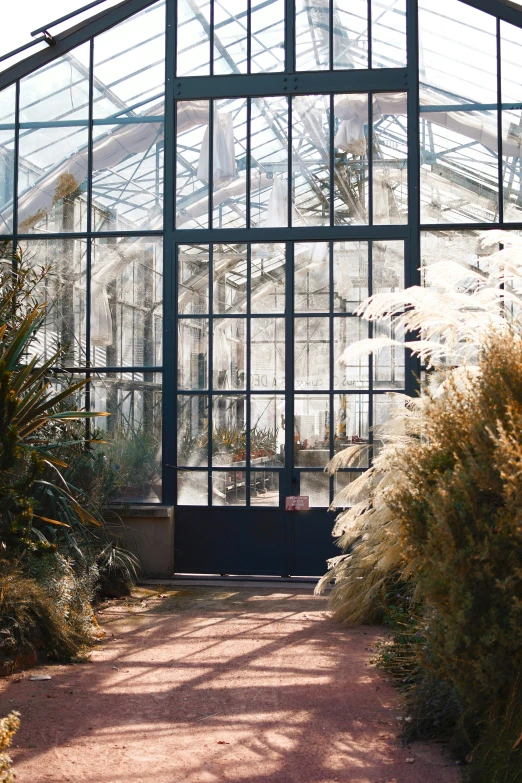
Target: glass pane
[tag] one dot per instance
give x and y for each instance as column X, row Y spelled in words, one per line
column 126, row 302
column 383, row 407
column 388, row 266
column 230, row 36
column 350, row 275
column 267, row 278
column 132, row 432
column 312, row 37
column 192, row 164
column 229, row 169
column 311, row 431
column 63, row 288
column 58, row 91
column 267, row 353
column 129, row 66
column 511, row 71
column 229, row 488
column 127, row 180
column 193, row 279
column 311, row 160
column 264, row 488
column 229, row 353
column 312, row 277
column 312, row 353
column 350, row 34
column 52, row 171
column 193, row 353
column 230, row 278
column 193, row 430
column 341, row 482
column 229, row 422
column 351, row 159
column 317, row 487
column 267, row 431
column 7, row 118
column 192, row 488
column 390, row 158
column 458, row 120
column 268, row 36
column 388, row 33
column 349, row 373
column 388, row 363
column 193, row 56
column 269, row 162
column 351, row 425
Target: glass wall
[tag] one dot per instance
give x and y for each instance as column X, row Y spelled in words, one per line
column 282, row 154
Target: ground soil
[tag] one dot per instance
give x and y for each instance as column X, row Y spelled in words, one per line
column 214, row 685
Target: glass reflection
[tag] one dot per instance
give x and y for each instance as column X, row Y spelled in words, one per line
column 311, row 430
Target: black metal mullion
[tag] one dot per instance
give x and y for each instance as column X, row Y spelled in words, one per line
column 370, row 159
column 210, row 365
column 211, row 37
column 332, row 368
column 90, row 224
column 170, row 270
column 248, row 383
column 248, row 162
column 331, row 148
column 369, row 8
column 289, row 36
column 290, row 189
column 291, row 478
column 331, row 34
column 249, row 37
column 413, row 242
column 210, row 164
column 16, row 164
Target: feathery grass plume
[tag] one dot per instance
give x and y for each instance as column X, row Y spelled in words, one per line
column 8, row 728
column 453, row 316
column 459, row 507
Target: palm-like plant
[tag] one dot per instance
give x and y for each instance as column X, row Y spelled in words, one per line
column 30, row 411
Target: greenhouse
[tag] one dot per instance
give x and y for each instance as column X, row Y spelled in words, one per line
column 212, row 189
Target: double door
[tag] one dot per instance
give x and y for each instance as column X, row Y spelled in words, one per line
column 267, row 393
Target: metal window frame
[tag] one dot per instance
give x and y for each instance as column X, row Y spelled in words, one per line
column 287, row 82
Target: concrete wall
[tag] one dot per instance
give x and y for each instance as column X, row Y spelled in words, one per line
column 148, row 531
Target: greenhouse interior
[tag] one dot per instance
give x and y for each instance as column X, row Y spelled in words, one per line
column 211, row 190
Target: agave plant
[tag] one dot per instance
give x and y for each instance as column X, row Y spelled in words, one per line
column 453, row 315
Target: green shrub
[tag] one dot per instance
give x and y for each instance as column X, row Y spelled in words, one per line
column 460, row 509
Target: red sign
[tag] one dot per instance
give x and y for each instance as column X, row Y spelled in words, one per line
column 297, row 503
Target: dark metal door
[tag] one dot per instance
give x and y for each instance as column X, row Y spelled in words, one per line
column 262, row 332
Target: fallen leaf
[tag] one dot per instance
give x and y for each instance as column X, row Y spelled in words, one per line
column 410, row 761
column 222, row 742
column 517, row 743
column 38, row 677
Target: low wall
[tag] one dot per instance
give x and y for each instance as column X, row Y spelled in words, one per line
column 148, row 531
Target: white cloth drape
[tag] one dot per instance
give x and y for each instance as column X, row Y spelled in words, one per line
column 109, row 266
column 277, row 209
column 224, row 156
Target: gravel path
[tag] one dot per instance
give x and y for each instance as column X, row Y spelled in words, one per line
column 207, row 685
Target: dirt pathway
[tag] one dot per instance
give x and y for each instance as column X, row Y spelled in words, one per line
column 207, row 685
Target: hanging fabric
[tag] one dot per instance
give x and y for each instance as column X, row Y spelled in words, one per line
column 350, row 137
column 105, row 272
column 224, row 155
column 381, row 201
column 277, row 209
